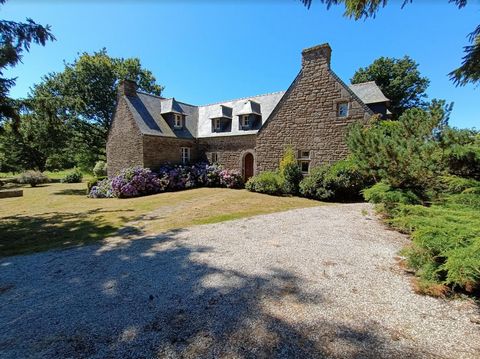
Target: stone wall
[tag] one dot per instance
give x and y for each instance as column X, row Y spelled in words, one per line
column 230, row 149
column 160, row 150
column 124, row 143
column 306, row 117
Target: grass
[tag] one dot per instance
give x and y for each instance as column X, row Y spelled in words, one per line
column 59, row 215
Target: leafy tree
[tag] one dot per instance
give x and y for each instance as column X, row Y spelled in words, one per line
column 468, row 72
column 15, row 38
column 83, row 97
column 399, row 80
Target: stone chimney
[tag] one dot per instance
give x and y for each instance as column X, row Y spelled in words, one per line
column 317, row 55
column 127, row 88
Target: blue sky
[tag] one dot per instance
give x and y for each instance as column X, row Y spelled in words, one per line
column 204, row 52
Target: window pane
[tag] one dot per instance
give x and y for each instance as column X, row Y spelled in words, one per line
column 342, row 109
column 304, row 166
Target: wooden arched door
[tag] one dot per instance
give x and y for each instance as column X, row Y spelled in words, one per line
column 247, row 166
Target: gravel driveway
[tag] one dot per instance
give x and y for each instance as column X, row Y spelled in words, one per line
column 317, row 282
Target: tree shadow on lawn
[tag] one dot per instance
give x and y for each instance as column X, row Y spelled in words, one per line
column 167, row 297
column 72, row 192
column 26, row 234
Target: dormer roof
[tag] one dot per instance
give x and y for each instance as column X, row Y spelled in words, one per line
column 249, row 107
column 169, row 105
column 220, row 111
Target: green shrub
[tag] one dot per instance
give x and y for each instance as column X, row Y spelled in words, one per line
column 446, row 244
column 341, row 181
column 388, row 196
column 290, row 171
column 266, row 182
column 313, row 186
column 33, row 178
column 100, row 169
column 292, row 176
column 75, row 176
column 453, row 184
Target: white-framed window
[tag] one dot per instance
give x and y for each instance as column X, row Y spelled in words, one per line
column 342, row 109
column 214, row 157
column 245, row 121
column 185, row 155
column 177, row 122
column 304, row 166
column 304, row 160
column 216, row 124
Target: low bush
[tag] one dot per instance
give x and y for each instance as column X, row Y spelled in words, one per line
column 266, row 182
column 314, row 186
column 341, row 181
column 137, row 181
column 446, row 244
column 75, row 176
column 102, row 189
column 453, row 184
column 93, row 182
column 100, row 169
column 230, row 179
column 33, row 178
column 382, row 193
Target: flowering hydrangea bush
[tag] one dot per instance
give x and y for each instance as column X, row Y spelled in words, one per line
column 137, row 181
column 103, row 189
column 230, row 179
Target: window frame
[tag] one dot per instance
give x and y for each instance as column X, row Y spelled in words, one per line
column 178, row 117
column 339, row 105
column 304, row 162
column 304, row 159
column 216, row 121
column 185, row 155
column 245, row 121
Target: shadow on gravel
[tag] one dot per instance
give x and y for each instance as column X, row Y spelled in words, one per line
column 158, row 298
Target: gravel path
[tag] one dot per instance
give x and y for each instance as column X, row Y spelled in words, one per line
column 317, row 282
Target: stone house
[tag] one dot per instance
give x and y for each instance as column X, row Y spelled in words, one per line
column 248, row 134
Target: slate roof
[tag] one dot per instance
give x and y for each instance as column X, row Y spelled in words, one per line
column 369, row 92
column 266, row 103
column 149, row 110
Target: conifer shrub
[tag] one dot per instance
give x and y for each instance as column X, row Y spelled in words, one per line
column 383, row 193
column 290, row 171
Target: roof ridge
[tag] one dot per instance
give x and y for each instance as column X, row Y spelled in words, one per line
column 363, row 83
column 152, row 95
column 166, row 98
column 241, row 98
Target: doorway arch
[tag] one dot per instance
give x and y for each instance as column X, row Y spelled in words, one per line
column 248, row 166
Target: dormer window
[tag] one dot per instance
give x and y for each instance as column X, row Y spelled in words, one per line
column 245, row 121
column 177, row 121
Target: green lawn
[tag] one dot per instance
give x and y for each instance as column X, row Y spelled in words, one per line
column 58, row 215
